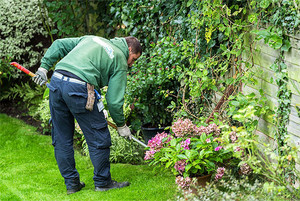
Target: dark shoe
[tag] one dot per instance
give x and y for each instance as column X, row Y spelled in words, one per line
column 112, row 185
column 74, row 190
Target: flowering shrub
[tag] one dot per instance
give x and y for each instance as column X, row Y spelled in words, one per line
column 189, row 151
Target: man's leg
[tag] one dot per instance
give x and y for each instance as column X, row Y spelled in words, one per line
column 62, row 135
column 95, row 130
column 94, row 127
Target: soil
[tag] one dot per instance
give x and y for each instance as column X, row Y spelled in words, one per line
column 13, row 110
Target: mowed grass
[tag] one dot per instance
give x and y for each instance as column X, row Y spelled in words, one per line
column 28, row 171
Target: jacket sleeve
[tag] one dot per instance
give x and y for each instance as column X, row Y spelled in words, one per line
column 58, row 49
column 115, row 96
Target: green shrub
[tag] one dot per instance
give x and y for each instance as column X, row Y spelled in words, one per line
column 154, row 84
column 237, row 188
column 125, row 151
column 22, row 33
column 42, row 112
column 22, row 38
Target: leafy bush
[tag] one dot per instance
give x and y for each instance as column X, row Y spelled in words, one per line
column 30, row 96
column 22, row 40
column 154, row 84
column 277, row 166
column 150, row 20
column 6, row 74
column 237, row 188
column 22, row 33
column 125, row 151
column 74, row 18
column 42, row 112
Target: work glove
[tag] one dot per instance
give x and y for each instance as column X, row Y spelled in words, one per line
column 41, row 76
column 124, row 131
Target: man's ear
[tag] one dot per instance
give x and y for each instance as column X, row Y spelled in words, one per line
column 129, row 48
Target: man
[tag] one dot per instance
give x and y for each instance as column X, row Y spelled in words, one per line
column 87, row 62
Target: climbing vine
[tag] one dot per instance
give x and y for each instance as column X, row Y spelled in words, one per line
column 280, row 18
column 284, row 100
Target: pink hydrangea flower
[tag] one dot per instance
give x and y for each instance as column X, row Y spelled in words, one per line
column 186, row 128
column 156, row 142
column 180, row 165
column 220, row 173
column 185, row 144
column 245, row 169
column 218, row 148
column 182, row 182
column 200, row 130
column 183, row 128
column 233, row 137
column 149, row 154
column 237, row 149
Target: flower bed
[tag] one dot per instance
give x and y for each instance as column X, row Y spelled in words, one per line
column 190, row 151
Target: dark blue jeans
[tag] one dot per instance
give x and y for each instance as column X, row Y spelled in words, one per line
column 67, row 101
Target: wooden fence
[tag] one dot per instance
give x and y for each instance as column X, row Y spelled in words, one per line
column 263, row 57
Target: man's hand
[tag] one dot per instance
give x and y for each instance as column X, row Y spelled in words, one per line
column 41, row 76
column 124, row 131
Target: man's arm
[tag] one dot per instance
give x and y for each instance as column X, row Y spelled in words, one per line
column 55, row 52
column 58, row 49
column 115, row 96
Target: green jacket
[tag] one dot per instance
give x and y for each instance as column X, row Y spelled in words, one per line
column 97, row 61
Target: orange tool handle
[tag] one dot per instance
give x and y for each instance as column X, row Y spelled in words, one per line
column 18, row 66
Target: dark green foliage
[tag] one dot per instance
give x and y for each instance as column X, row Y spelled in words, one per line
column 154, row 84
column 150, row 20
column 74, row 18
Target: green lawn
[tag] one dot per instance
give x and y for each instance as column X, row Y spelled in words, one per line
column 28, row 171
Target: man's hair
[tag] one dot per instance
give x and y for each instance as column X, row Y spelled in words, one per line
column 135, row 44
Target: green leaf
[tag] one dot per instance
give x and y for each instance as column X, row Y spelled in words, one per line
column 275, row 41
column 189, row 3
column 235, row 103
column 252, row 17
column 264, row 4
column 202, row 152
column 173, row 142
column 182, row 156
column 168, row 164
column 262, row 33
column 286, row 45
column 209, row 163
column 298, row 111
column 188, row 167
